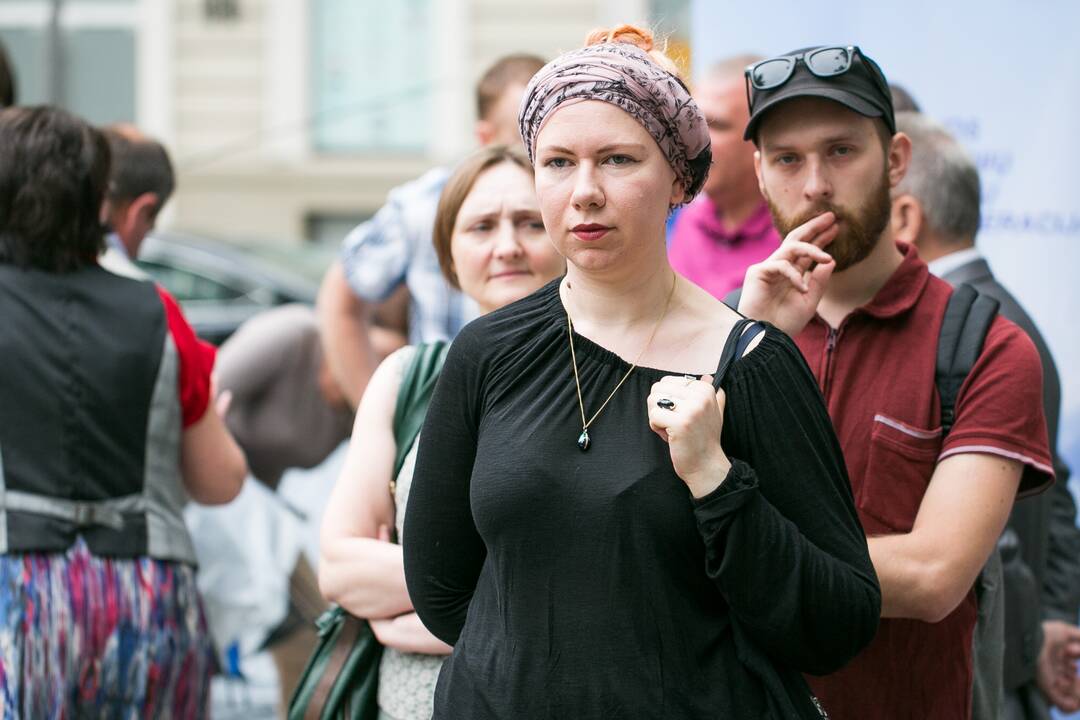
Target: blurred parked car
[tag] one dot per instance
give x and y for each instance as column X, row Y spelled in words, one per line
column 221, row 285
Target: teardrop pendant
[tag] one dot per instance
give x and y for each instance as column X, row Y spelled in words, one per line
column 583, row 440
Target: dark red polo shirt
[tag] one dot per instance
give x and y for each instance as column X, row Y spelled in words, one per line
column 876, row 372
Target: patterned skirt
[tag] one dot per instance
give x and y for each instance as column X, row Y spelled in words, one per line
column 91, row 637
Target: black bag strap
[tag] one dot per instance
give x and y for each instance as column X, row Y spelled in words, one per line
column 968, row 316
column 414, row 396
column 738, row 340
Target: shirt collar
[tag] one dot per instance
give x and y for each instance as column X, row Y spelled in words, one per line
column 947, row 263
column 112, row 240
column 903, row 288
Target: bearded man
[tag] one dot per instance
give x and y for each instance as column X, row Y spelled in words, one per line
column 867, row 314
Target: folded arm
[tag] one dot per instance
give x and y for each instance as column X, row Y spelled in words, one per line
column 359, row 568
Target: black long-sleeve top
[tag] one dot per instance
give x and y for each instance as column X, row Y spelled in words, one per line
column 591, row 584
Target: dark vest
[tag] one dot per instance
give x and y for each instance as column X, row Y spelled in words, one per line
column 90, row 423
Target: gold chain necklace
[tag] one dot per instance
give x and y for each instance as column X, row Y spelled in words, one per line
column 583, row 441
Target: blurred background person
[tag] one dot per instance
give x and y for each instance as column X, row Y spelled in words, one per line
column 106, row 429
column 936, row 207
column 7, row 80
column 902, row 100
column 491, row 245
column 394, row 248
column 283, row 406
column 285, row 411
column 727, row 227
column 141, row 180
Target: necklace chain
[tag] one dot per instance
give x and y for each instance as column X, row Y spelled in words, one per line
column 577, row 381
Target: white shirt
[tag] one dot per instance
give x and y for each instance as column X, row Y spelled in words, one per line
column 947, row 263
column 116, row 260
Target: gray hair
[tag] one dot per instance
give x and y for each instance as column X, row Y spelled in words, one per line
column 139, row 165
column 731, row 67
column 942, row 177
column 902, row 100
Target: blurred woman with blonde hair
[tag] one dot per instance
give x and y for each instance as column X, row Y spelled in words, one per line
column 490, row 241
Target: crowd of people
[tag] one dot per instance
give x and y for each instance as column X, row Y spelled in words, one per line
column 723, row 415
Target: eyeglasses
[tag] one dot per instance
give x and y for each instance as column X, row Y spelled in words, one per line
column 823, row 62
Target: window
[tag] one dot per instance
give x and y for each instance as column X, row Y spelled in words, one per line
column 327, row 229
column 370, row 77
column 86, row 66
column 188, row 285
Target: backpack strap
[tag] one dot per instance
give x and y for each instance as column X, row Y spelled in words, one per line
column 968, row 316
column 738, row 340
column 414, row 396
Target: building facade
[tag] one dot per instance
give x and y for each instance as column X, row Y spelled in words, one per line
column 288, row 120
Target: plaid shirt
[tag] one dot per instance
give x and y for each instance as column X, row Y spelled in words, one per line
column 395, row 247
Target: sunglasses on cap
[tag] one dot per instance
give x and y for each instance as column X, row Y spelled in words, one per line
column 823, row 62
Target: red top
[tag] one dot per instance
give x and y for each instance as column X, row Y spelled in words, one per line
column 876, row 372
column 196, row 362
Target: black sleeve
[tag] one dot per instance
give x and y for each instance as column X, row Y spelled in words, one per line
column 1053, row 531
column 1061, row 580
column 443, row 551
column 783, row 542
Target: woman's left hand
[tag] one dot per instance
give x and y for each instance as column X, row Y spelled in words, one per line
column 689, row 415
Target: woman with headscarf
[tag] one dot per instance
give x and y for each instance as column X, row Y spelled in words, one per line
column 629, row 501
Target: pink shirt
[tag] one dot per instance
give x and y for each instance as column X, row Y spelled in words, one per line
column 710, row 256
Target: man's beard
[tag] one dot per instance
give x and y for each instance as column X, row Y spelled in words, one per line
column 861, row 230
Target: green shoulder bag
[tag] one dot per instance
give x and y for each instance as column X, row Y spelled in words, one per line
column 341, row 679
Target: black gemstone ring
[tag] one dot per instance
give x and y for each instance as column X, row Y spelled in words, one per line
column 665, row 403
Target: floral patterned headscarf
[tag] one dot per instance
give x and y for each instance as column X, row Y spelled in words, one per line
column 625, row 76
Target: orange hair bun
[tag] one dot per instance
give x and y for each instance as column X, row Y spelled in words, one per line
column 629, row 34
column 639, row 37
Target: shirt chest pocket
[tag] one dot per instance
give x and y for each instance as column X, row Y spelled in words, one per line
column 901, row 462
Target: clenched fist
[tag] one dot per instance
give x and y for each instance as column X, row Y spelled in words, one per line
column 689, row 415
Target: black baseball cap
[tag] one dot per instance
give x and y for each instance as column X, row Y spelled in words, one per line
column 848, row 77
